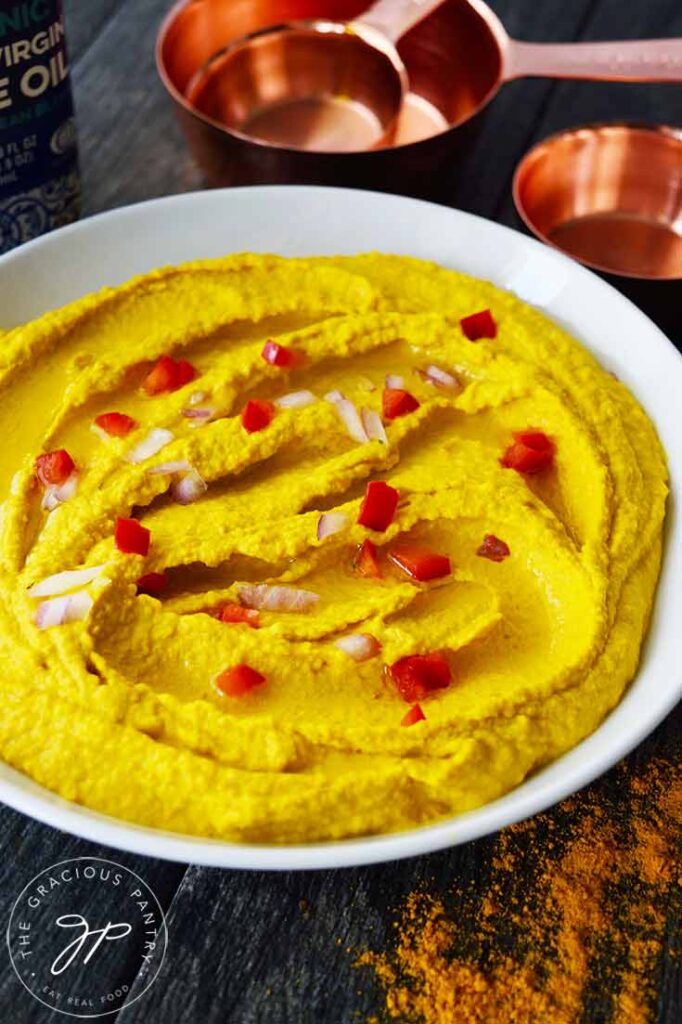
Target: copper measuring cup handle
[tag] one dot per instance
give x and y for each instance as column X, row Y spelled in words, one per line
column 393, row 18
column 644, row 60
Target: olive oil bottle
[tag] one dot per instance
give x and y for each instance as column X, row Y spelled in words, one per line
column 39, row 177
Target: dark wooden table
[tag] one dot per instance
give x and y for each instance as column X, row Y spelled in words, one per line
column 272, row 948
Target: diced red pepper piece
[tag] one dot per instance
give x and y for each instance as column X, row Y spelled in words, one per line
column 493, row 548
column 397, row 402
column 168, row 374
column 366, row 560
column 239, row 680
column 535, row 439
column 184, row 373
column 531, row 452
column 256, row 415
column 152, row 583
column 378, row 506
column 420, row 563
column 238, row 613
column 479, row 325
column 161, row 377
column 417, row 675
column 117, row 424
column 414, row 715
column 54, row 468
column 526, row 460
column 279, row 355
column 131, row 537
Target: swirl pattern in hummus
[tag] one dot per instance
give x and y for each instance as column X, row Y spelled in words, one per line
column 119, row 711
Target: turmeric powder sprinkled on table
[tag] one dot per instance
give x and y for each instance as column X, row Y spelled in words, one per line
column 573, row 914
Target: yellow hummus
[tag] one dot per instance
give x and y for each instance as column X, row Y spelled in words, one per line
column 118, row 709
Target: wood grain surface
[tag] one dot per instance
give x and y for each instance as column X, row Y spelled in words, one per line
column 253, row 947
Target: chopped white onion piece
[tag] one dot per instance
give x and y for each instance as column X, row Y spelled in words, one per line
column 60, row 582
column 79, row 605
column 204, row 413
column 359, row 646
column 351, row 419
column 197, row 397
column 179, row 466
column 55, row 494
column 394, row 380
column 295, row 400
column 330, row 523
column 68, row 488
column 189, row 487
column 374, row 427
column 50, row 500
column 52, row 612
column 276, row 599
column 57, row 610
column 154, row 441
column 101, row 434
column 441, row 378
column 334, row 396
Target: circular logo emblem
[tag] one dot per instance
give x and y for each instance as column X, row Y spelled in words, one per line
column 10, row 231
column 81, row 931
column 64, row 138
column 30, row 215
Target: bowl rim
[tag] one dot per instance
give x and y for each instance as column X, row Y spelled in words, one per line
column 595, row 127
column 479, row 239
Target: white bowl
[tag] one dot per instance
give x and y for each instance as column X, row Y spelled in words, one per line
column 293, row 221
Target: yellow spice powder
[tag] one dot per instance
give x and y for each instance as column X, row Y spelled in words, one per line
column 573, row 914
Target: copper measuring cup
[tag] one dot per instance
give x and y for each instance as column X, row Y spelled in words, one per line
column 456, row 60
column 335, row 86
column 314, row 84
column 610, row 195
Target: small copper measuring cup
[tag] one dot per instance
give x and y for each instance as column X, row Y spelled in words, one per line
column 456, row 60
column 609, row 195
column 315, row 84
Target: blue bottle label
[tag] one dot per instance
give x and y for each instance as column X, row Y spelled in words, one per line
column 39, row 179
